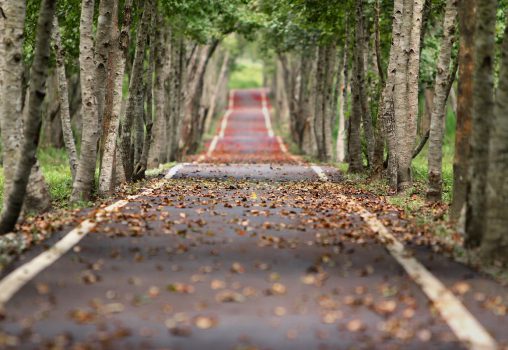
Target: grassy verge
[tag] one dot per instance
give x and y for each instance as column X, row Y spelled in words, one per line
column 55, row 167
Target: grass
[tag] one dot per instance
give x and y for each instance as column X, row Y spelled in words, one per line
column 246, row 74
column 55, row 167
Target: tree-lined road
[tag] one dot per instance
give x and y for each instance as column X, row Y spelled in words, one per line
column 249, row 248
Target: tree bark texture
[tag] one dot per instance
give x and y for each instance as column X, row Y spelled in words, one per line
column 142, row 164
column 63, row 94
column 483, row 112
column 136, row 96
column 113, row 108
column 11, row 53
column 27, row 157
column 441, row 92
column 103, row 43
column 84, row 181
column 495, row 239
column 406, row 90
column 387, row 108
column 467, row 23
column 158, row 151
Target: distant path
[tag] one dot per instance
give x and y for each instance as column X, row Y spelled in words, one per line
column 250, row 248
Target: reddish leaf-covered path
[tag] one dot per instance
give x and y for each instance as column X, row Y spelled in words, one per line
column 248, row 248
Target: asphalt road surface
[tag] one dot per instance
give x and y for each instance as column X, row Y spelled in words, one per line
column 249, row 248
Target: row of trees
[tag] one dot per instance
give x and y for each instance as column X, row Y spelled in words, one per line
column 131, row 84
column 358, row 70
column 138, row 81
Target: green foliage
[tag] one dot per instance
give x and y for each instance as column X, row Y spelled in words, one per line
column 246, row 74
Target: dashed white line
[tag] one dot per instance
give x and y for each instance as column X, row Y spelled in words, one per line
column 14, row 281
column 213, row 145
column 266, row 114
column 463, row 324
column 224, row 123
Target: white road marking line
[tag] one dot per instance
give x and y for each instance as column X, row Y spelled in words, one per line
column 266, row 114
column 319, row 172
column 463, row 324
column 224, row 123
column 213, row 145
column 223, row 126
column 14, row 281
column 282, row 146
column 173, row 171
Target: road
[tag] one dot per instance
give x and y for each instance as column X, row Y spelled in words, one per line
column 247, row 248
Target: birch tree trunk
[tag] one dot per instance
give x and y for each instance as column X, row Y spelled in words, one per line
column 406, row 90
column 83, row 184
column 495, row 239
column 27, row 157
column 435, row 186
column 379, row 136
column 318, row 100
column 179, row 79
column 329, row 105
column 215, row 94
column 111, row 121
column 340, row 149
column 141, row 166
column 467, row 23
column 355, row 145
column 387, row 108
column 162, row 61
column 361, row 46
column 136, row 96
column 301, row 117
column 103, row 45
column 12, row 72
column 483, row 110
column 63, row 94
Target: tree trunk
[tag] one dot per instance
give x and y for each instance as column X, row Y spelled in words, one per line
column 319, row 98
column 112, row 111
column 340, row 149
column 12, row 72
column 483, row 110
column 328, row 112
column 193, row 106
column 63, row 94
column 386, row 110
column 441, row 92
column 141, row 166
column 355, row 145
column 178, row 81
column 162, row 62
column 222, row 75
column 406, row 90
column 103, row 43
column 84, row 182
column 495, row 238
column 27, row 157
column 467, row 23
column 136, row 96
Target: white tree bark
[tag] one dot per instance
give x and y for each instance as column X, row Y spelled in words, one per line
column 341, row 136
column 435, row 188
column 111, row 163
column 63, row 94
column 33, row 119
column 11, row 113
column 83, row 184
